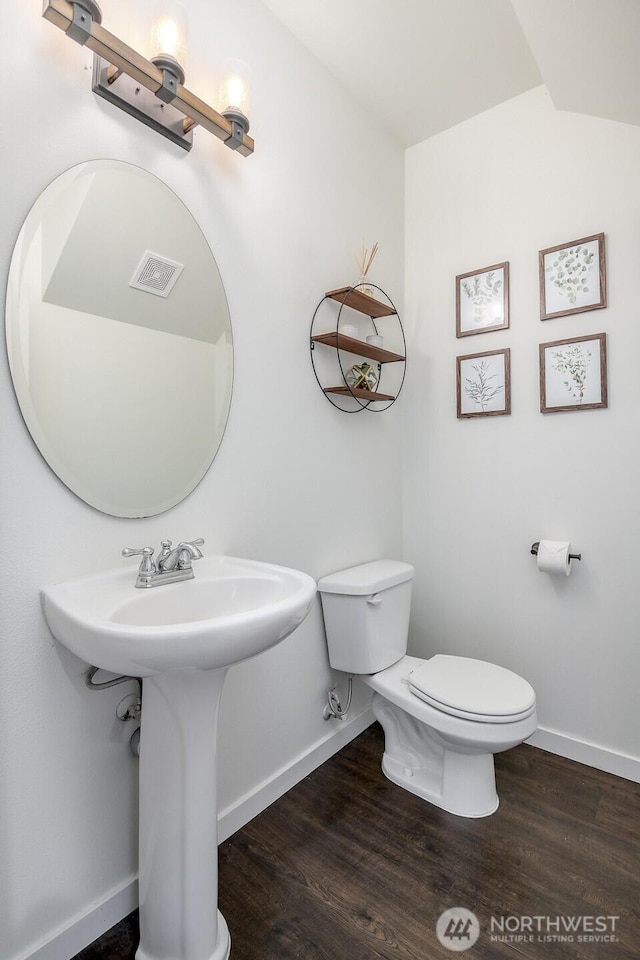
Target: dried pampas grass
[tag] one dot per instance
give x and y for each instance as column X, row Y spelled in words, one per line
column 364, row 259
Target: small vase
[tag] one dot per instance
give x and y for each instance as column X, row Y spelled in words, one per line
column 363, row 287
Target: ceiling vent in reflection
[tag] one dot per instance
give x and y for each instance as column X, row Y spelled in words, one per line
column 156, row 274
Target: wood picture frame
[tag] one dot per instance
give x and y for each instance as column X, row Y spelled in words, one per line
column 573, row 277
column 482, row 300
column 483, row 384
column 573, row 374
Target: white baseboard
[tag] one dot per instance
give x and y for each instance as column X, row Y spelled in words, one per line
column 86, row 927
column 589, row 753
column 235, row 816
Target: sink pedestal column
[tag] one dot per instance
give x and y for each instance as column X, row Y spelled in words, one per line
column 179, row 917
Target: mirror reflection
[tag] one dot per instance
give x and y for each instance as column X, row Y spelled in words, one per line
column 119, row 339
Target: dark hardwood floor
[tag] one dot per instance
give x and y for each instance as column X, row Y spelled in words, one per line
column 348, row 866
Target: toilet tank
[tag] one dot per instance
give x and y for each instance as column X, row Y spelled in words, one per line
column 366, row 615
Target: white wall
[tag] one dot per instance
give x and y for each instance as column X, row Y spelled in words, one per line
column 283, row 225
column 478, row 493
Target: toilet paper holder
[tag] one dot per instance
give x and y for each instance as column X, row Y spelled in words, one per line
column 572, row 556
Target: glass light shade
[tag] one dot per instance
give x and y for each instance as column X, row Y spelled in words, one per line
column 169, row 31
column 235, row 88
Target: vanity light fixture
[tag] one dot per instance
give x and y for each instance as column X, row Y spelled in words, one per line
column 152, row 90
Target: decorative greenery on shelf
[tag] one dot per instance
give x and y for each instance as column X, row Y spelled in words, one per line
column 362, row 376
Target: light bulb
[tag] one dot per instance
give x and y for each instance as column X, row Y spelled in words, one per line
column 169, row 32
column 235, row 90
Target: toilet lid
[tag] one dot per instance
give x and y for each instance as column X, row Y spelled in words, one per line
column 473, row 689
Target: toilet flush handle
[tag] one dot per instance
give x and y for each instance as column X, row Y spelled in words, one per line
column 375, row 600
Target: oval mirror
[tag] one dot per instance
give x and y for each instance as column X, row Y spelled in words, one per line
column 119, row 339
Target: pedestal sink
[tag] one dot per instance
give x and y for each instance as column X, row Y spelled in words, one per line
column 181, row 637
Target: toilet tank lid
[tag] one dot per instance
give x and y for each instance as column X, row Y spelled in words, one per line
column 367, row 578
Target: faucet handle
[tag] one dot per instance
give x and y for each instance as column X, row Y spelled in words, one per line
column 147, row 565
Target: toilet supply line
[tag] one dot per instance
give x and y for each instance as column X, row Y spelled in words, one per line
column 333, row 708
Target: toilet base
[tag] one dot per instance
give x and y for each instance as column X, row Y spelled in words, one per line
column 427, row 788
column 417, row 758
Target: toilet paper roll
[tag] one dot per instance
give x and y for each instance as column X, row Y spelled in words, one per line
column 553, row 557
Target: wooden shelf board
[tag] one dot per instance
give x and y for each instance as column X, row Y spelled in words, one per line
column 359, row 347
column 369, row 395
column 361, row 302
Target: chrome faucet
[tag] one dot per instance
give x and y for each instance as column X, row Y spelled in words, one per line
column 172, row 565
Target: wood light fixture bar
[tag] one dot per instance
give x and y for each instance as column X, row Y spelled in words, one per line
column 138, row 86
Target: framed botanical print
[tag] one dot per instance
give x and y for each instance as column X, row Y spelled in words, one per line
column 482, row 300
column 573, row 277
column 573, row 374
column 483, row 384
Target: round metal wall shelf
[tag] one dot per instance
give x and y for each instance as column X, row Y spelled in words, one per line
column 334, row 353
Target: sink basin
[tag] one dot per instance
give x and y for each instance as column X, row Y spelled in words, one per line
column 233, row 609
column 181, row 637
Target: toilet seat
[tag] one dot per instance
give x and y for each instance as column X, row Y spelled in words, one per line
column 472, row 689
column 492, row 734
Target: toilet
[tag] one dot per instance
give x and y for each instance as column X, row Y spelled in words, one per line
column 443, row 718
